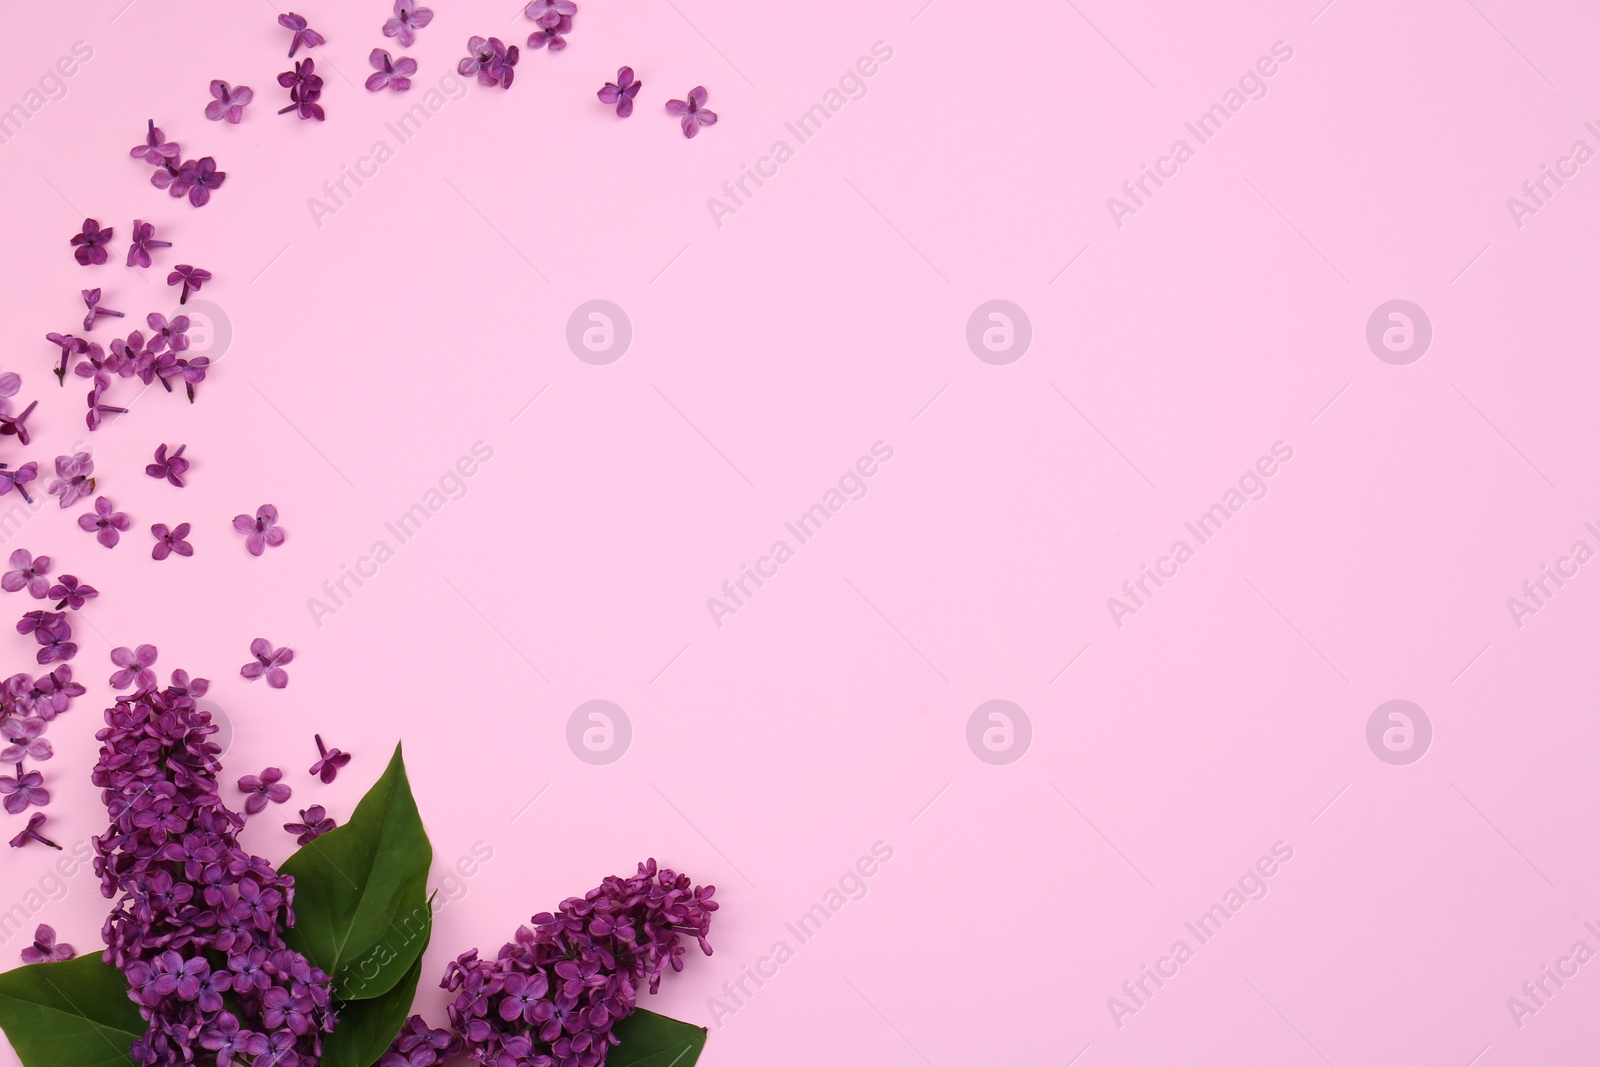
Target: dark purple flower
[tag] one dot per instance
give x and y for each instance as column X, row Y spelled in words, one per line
column 549, row 13
column 90, row 245
column 169, row 541
column 490, row 60
column 71, row 348
column 553, row 35
column 417, row 1045
column 170, row 176
column 155, row 151
column 183, row 685
column 305, row 89
column 91, row 300
column 228, row 102
column 170, row 335
column 263, row 530
column 408, row 18
column 74, row 478
column 106, row 522
column 24, row 740
column 692, row 112
column 191, row 278
column 263, row 787
column 327, row 768
column 31, row 833
column 201, row 176
column 268, row 661
column 171, row 467
column 314, row 822
column 135, row 664
column 143, row 240
column 17, row 426
column 53, row 633
column 192, row 371
column 27, row 573
column 24, row 789
column 227, row 1040
column 71, row 593
column 621, row 92
column 303, row 34
column 10, row 479
column 44, row 948
column 102, row 382
column 390, row 73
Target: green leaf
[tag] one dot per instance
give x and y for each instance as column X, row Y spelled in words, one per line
column 71, row 1014
column 366, row 1028
column 360, row 904
column 651, row 1040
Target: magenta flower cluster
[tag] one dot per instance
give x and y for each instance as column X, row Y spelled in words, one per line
column 197, row 924
column 28, row 706
column 192, row 178
column 553, row 995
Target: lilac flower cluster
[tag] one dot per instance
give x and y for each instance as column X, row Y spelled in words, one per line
column 194, row 178
column 554, row 21
column 418, row 1045
column 552, row 997
column 28, row 706
column 197, row 924
column 305, row 89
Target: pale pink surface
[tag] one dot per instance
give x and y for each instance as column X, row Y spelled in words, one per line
column 768, row 754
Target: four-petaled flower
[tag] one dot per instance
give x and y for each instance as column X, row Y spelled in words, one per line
column 621, row 92
column 53, row 633
column 24, row 789
column 303, row 34
column 73, row 478
column 389, row 72
column 44, row 948
column 305, row 89
column 106, row 522
column 692, row 113
column 490, row 60
column 155, row 151
column 268, row 661
column 17, row 425
column 229, row 101
column 27, row 573
column 90, row 244
column 31, row 833
column 171, row 467
column 68, row 592
column 143, row 240
column 191, row 278
column 553, row 35
column 549, row 13
column 171, row 540
column 135, row 664
column 263, row 530
column 200, row 176
column 262, row 788
column 327, row 768
column 91, row 300
column 171, row 335
column 24, row 741
column 408, row 19
column 15, row 479
column 314, row 822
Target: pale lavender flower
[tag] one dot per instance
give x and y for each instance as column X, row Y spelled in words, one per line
column 228, row 102
column 268, row 661
column 74, row 478
column 390, row 73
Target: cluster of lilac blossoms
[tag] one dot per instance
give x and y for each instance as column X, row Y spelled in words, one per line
column 28, row 706
column 192, row 178
column 552, row 997
column 197, row 925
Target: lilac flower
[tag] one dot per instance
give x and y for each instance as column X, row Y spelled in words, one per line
column 169, row 467
column 106, row 523
column 408, row 18
column 314, row 822
column 549, row 13
column 327, row 768
column 17, row 426
column 263, row 787
column 419, row 1046
column 27, row 787
column 390, row 73
column 692, row 112
column 143, row 240
column 171, row 540
column 71, row 347
column 135, row 664
column 73, row 478
column 155, row 151
column 552, row 35
column 183, row 685
column 23, row 741
column 68, row 592
column 305, row 89
column 90, row 244
column 303, row 34
column 102, row 382
column 229, row 102
column 53, row 633
column 192, row 371
column 227, row 1040
column 10, row 479
column 263, row 530
column 191, row 278
column 268, row 661
column 170, row 335
column 44, row 948
column 621, row 92
column 27, row 573
column 91, row 300
column 170, row 176
column 201, row 176
column 31, row 833
column 490, row 60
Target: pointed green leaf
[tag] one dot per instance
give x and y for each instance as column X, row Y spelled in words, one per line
column 360, row 903
column 71, row 1014
column 366, row 1028
column 651, row 1040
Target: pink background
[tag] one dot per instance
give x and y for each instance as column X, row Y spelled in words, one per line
column 768, row 354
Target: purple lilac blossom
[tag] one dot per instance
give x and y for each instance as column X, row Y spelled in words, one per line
column 106, row 522
column 89, row 246
column 27, row 573
column 171, row 467
column 31, row 833
column 169, row 541
column 389, row 72
column 91, row 300
column 490, row 60
column 74, row 478
column 621, row 92
column 327, row 768
column 261, row 531
column 143, row 240
column 191, row 278
column 314, row 822
column 418, row 1045
column 68, row 592
column 268, row 661
column 692, row 113
column 44, row 948
column 16, row 479
column 228, row 102
column 303, row 33
column 408, row 19
column 262, row 788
